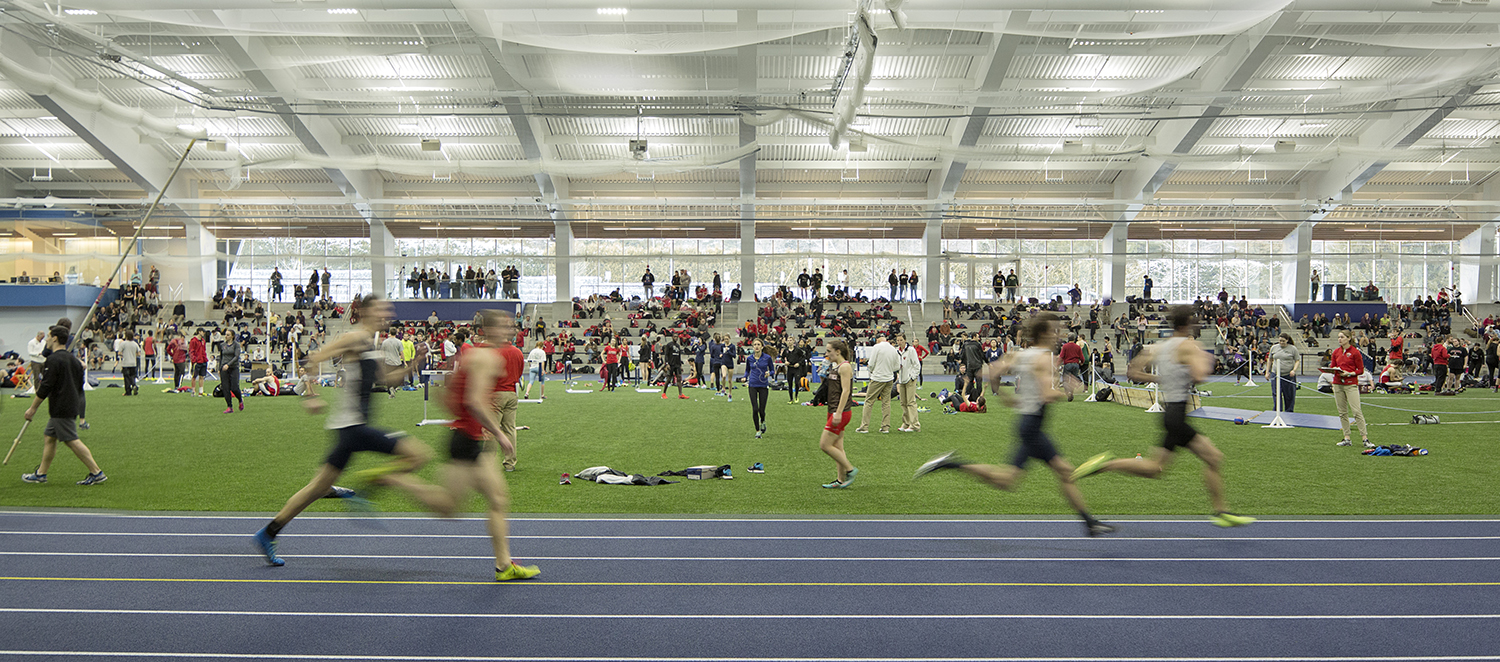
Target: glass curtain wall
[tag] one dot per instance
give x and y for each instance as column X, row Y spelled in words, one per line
column 1047, row 268
column 1185, row 269
column 868, row 261
column 533, row 257
column 601, row 266
column 1403, row 270
column 347, row 261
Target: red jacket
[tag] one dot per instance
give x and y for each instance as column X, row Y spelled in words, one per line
column 1440, row 354
column 198, row 350
column 1071, row 353
column 1348, row 359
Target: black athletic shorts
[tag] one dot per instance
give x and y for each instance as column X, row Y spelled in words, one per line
column 463, row 448
column 200, row 369
column 1179, row 432
column 360, row 438
column 1032, row 442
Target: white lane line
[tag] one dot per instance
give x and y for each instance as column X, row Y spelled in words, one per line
column 760, row 617
column 750, row 520
column 819, row 559
column 461, row 536
column 512, row 658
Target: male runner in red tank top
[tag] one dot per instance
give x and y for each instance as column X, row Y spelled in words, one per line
column 471, row 391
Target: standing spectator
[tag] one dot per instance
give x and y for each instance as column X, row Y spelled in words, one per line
column 998, row 284
column 1076, row 294
column 907, row 377
column 648, row 282
column 61, row 383
column 844, row 282
column 536, row 370
column 1012, row 286
column 1070, row 356
column 148, row 349
column 36, row 354
column 276, row 288
column 1317, row 285
column 796, row 358
column 718, row 282
column 177, row 353
column 905, row 286
column 1283, row 361
column 394, row 355
column 803, row 282
column 1146, row 287
column 312, row 284
column 1348, row 363
column 817, row 282
column 491, row 285
column 198, row 354
column 229, row 372
column 1439, row 363
column 130, row 362
column 895, row 283
column 972, row 356
column 912, row 292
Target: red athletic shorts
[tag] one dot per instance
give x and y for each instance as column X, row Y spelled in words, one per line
column 837, row 422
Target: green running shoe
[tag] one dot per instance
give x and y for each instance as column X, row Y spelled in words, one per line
column 1228, row 519
column 515, row 572
column 1092, row 465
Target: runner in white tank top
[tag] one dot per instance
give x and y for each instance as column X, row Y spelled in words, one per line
column 1034, row 368
column 1180, row 364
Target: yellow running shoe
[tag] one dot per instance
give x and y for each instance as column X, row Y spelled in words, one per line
column 514, row 572
column 1228, row 519
column 1092, row 465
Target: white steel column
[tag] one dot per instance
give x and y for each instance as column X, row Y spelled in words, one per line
column 382, row 260
column 1476, row 264
column 1296, row 271
column 1114, row 246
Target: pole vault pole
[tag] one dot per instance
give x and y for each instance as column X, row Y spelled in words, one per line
column 134, row 238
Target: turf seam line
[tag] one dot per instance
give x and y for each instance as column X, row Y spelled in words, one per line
column 461, row 536
column 811, row 519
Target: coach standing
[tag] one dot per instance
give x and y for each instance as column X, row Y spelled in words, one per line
column 884, row 362
column 62, row 385
column 907, row 377
column 1283, row 360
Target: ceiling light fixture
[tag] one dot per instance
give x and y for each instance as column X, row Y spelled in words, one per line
column 468, row 227
column 64, row 234
column 80, row 12
column 613, row 11
column 343, row 10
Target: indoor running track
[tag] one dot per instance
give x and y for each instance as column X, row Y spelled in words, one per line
column 116, row 586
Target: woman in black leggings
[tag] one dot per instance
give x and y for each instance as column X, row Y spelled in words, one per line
column 796, row 367
column 758, row 370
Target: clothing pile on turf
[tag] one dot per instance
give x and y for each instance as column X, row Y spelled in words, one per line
column 608, row 476
column 1395, row 449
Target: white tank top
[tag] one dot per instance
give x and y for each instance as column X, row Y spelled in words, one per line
column 352, row 406
column 1029, row 400
column 1173, row 378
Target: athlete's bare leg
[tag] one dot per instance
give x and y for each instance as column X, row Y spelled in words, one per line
column 1213, row 479
column 1001, row 477
column 1145, row 468
column 833, row 445
column 315, row 489
column 1064, row 471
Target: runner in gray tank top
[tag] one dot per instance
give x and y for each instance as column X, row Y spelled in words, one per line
column 1034, row 368
column 1180, row 363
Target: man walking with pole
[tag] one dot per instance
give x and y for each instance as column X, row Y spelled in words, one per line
column 62, row 385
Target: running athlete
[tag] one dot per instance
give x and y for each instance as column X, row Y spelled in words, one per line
column 472, row 464
column 759, row 370
column 349, row 422
column 1180, row 363
column 840, row 378
column 1034, row 391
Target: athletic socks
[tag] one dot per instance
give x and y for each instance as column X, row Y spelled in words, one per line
column 273, row 528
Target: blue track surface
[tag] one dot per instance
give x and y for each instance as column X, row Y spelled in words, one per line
column 164, row 587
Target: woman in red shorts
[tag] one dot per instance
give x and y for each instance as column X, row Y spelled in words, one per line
column 840, row 378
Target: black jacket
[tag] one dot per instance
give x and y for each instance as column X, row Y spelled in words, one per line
column 62, row 384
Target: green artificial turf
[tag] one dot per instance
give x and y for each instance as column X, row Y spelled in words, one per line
column 177, row 452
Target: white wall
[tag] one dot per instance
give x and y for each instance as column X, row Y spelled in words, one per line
column 19, row 325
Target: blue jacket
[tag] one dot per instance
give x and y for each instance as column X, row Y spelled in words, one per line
column 758, row 370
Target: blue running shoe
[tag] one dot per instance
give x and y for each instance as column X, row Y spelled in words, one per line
column 267, row 546
column 849, row 477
